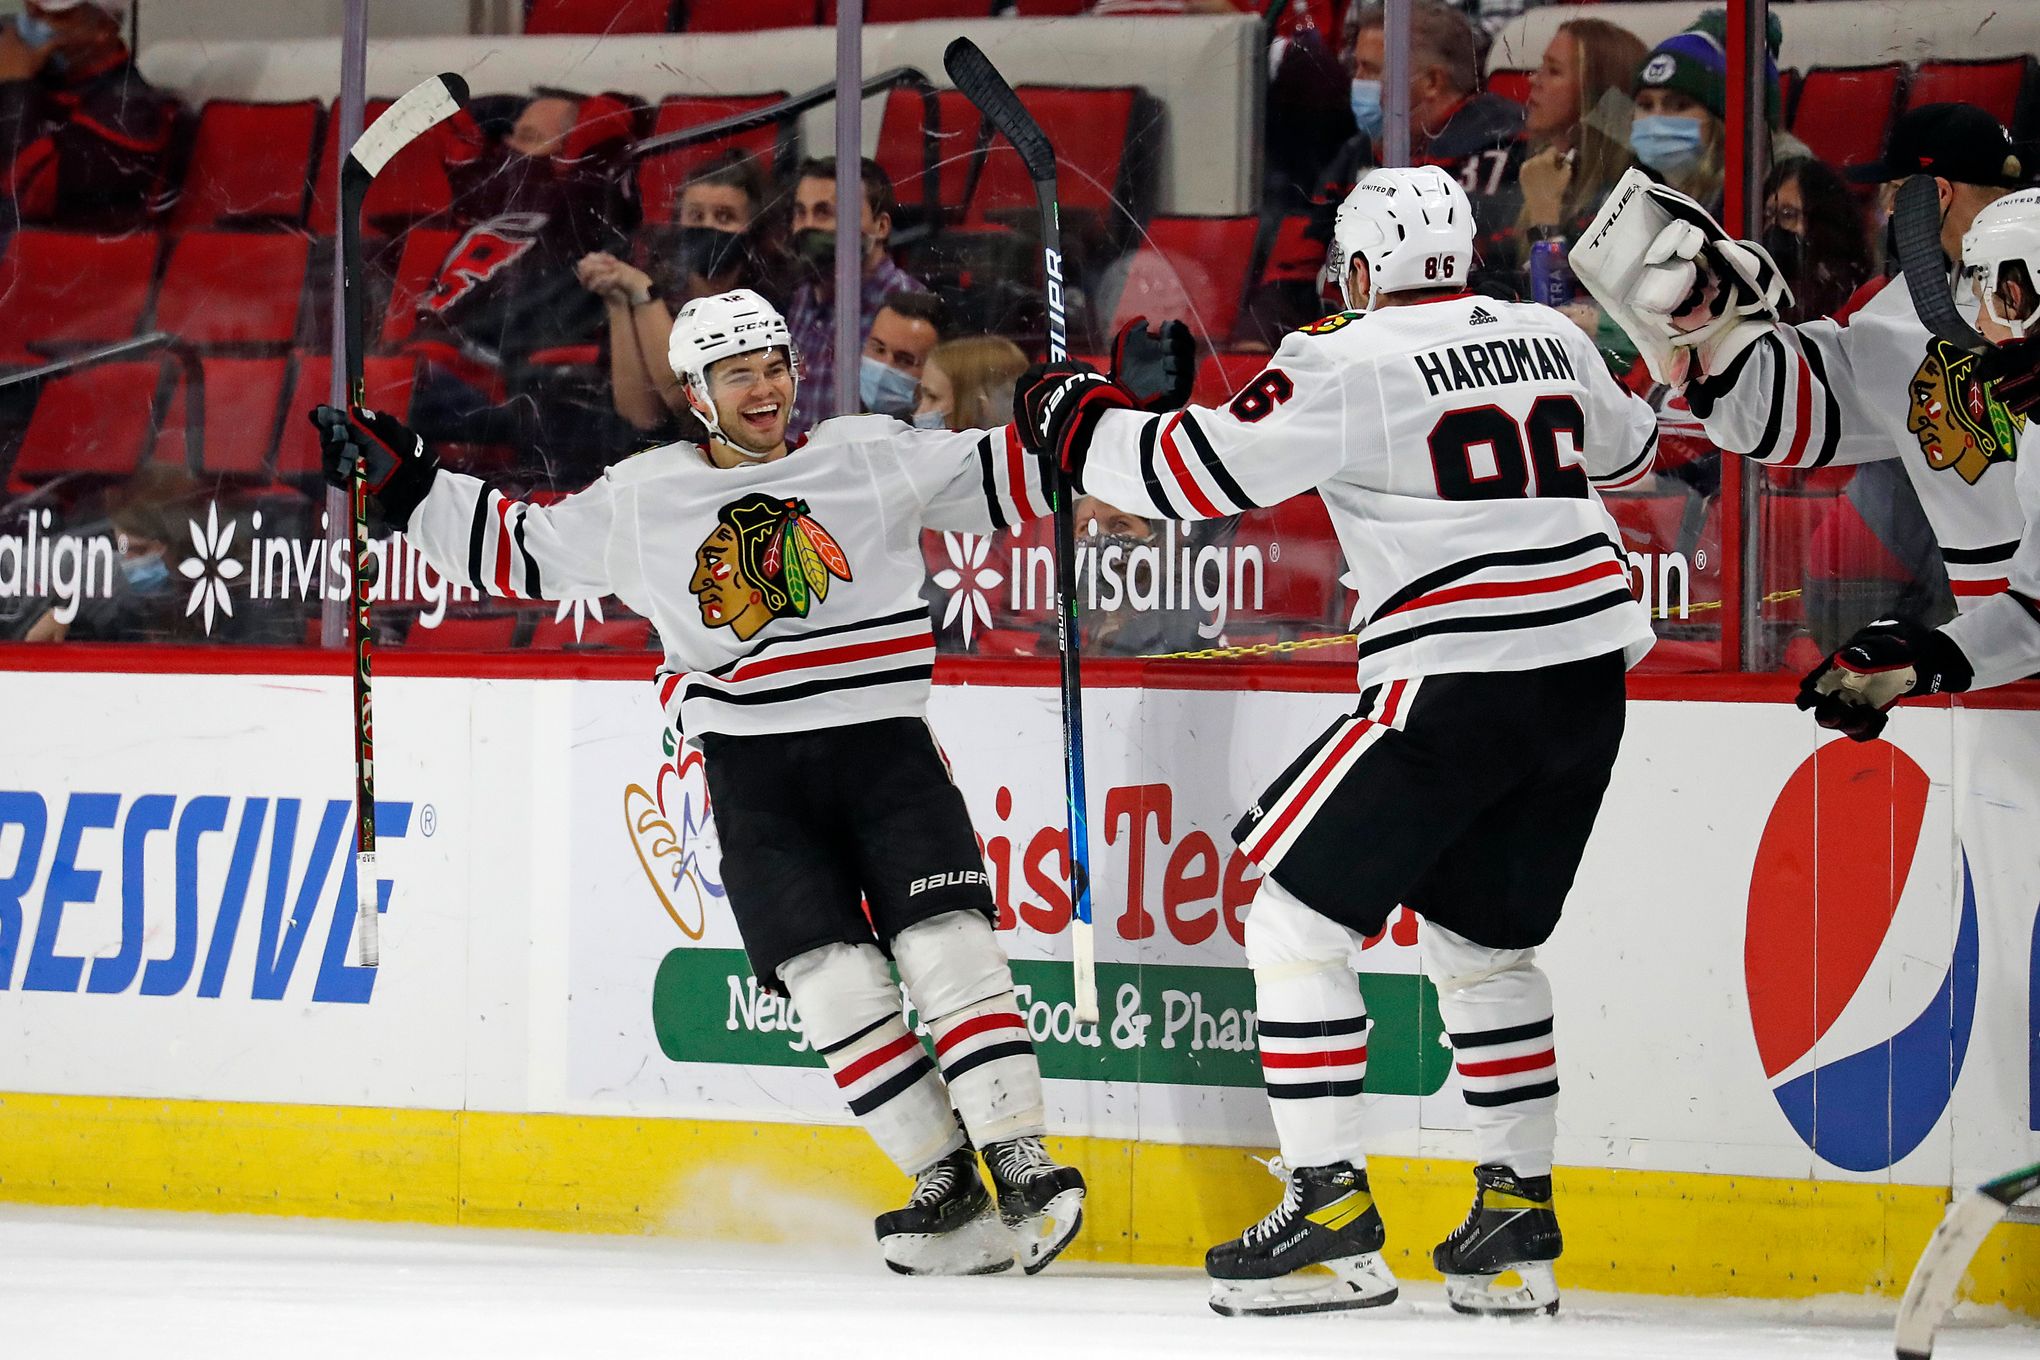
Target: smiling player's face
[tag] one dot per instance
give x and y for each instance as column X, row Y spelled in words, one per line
column 725, row 595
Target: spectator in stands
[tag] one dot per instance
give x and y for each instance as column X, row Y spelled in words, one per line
column 83, row 137
column 147, row 516
column 967, row 384
column 903, row 334
column 811, row 312
column 708, row 250
column 1475, row 137
column 1680, row 132
column 1577, row 122
column 1815, row 234
column 536, row 198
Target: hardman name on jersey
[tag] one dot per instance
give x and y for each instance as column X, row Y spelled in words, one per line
column 1490, row 363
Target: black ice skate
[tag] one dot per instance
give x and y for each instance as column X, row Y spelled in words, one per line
column 1317, row 1251
column 1511, row 1229
column 948, row 1226
column 1041, row 1200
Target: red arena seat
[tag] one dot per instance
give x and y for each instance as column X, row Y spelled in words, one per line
column 1092, row 131
column 297, row 447
column 1192, row 269
column 911, row 11
column 2002, row 87
column 412, row 186
column 746, row 16
column 597, row 16
column 660, row 176
column 425, row 249
column 95, row 422
column 242, row 397
column 1513, row 85
column 249, row 162
column 61, row 288
column 1844, row 112
column 234, row 288
column 901, row 153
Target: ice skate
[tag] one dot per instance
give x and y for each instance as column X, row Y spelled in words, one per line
column 1511, row 1230
column 948, row 1226
column 1316, row 1252
column 1041, row 1200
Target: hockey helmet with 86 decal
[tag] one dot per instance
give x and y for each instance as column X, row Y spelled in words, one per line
column 1413, row 226
column 722, row 327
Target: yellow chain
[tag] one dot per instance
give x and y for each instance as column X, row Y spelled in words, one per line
column 1308, row 644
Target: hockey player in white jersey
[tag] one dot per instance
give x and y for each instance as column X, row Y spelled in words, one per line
column 785, row 585
column 1456, row 441
column 1998, row 639
column 1704, row 311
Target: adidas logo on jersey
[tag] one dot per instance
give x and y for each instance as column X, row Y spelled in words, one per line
column 1481, row 316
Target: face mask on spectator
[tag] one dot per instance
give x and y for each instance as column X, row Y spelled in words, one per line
column 706, row 251
column 1367, row 106
column 815, row 249
column 1788, row 250
column 886, row 390
column 1667, row 144
column 146, row 574
column 32, row 30
column 931, row 420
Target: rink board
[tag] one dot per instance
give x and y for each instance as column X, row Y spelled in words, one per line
column 1795, row 983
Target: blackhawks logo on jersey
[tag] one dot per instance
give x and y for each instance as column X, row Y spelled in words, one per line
column 1956, row 417
column 767, row 558
column 1336, row 321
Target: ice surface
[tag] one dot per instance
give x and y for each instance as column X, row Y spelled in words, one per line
column 92, row 1283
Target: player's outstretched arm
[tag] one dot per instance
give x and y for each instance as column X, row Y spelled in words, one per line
column 1283, row 434
column 467, row 531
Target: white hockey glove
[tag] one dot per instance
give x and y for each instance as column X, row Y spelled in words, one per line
column 1689, row 298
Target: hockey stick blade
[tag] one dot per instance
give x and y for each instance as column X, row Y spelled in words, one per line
column 1937, row 1279
column 1916, row 227
column 980, row 82
column 425, row 105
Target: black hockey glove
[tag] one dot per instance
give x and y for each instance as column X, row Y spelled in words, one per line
column 1057, row 406
column 2013, row 372
column 400, row 466
column 1853, row 690
column 1156, row 367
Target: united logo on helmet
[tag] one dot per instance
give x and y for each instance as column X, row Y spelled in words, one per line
column 767, row 558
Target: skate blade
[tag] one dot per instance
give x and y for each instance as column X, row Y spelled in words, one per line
column 1332, row 1286
column 980, row 1247
column 1535, row 1296
column 1041, row 1237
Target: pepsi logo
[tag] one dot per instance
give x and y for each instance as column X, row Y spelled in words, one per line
column 1860, row 1003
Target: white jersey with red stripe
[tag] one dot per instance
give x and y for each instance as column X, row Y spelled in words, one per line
column 787, row 595
column 2000, row 635
column 1457, row 444
column 1877, row 385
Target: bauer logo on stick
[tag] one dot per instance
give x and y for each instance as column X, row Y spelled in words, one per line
column 766, row 559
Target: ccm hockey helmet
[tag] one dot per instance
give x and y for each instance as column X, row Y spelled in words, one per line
column 1413, row 226
column 2005, row 232
column 721, row 327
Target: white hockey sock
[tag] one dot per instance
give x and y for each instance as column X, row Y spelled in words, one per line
column 1312, row 1024
column 1496, row 1004
column 850, row 1011
column 959, row 979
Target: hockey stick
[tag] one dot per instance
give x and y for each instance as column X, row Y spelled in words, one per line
column 980, row 82
column 1930, row 1295
column 423, row 107
column 1916, row 227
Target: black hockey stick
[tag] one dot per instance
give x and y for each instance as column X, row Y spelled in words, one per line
column 980, row 82
column 1930, row 1294
column 423, row 107
column 1916, row 228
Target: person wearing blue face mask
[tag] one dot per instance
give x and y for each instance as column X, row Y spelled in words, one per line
column 84, row 140
column 143, row 598
column 1679, row 131
column 903, row 334
column 1475, row 137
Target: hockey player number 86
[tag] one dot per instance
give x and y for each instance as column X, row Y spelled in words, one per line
column 1479, row 453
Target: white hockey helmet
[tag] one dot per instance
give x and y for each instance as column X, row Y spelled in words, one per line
column 1413, row 226
column 722, row 327
column 2005, row 232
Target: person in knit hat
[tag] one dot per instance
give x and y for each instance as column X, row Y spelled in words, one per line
column 1680, row 129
